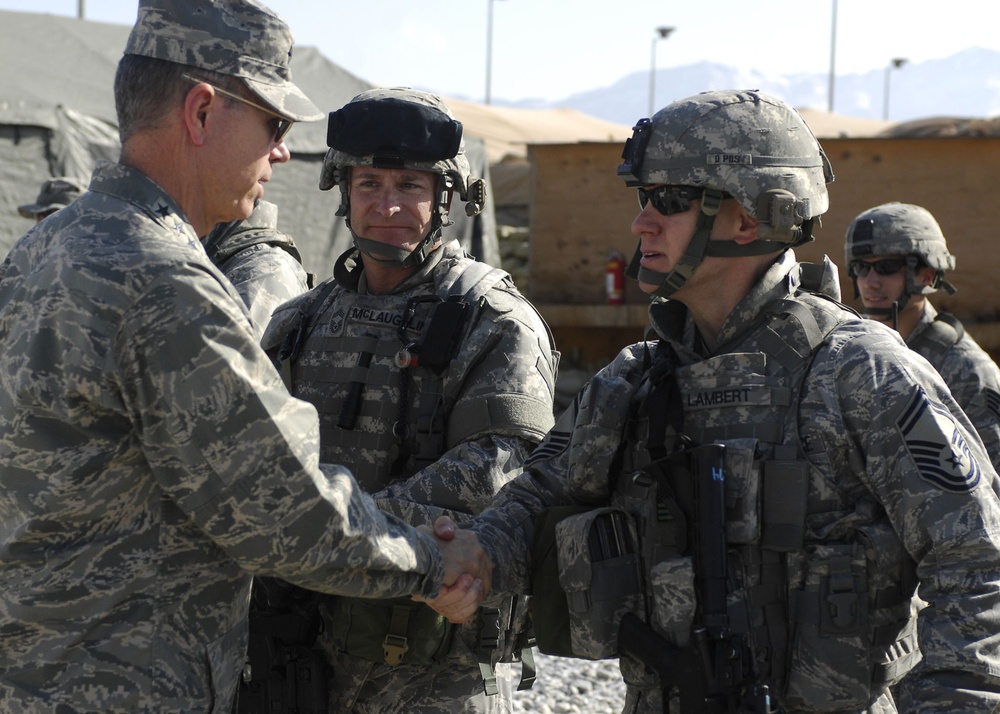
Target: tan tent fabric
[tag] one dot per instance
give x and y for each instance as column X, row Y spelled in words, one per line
column 507, row 131
column 837, row 126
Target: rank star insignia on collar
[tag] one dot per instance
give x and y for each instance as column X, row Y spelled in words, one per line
column 163, row 210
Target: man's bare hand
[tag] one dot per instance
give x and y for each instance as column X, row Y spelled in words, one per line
column 467, row 575
column 458, row 602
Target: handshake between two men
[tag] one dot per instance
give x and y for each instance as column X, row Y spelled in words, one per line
column 468, row 572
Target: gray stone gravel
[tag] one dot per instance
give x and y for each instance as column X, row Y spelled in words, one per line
column 572, row 686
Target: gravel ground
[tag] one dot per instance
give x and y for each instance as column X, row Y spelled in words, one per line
column 571, row 686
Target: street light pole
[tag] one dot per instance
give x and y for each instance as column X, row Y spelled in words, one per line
column 896, row 63
column 833, row 58
column 489, row 48
column 662, row 34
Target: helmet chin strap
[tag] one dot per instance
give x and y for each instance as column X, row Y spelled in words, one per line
column 394, row 257
column 891, row 313
column 669, row 283
column 389, row 255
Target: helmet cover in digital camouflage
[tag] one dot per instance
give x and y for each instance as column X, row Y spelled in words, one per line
column 746, row 144
column 400, row 128
column 898, row 229
column 901, row 229
column 397, row 127
column 739, row 144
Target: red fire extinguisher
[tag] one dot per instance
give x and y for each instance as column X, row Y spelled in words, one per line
column 614, row 278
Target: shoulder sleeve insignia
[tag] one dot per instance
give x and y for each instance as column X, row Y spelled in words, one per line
column 936, row 445
column 554, row 443
column 993, row 401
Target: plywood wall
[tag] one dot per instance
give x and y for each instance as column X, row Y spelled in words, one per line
column 581, row 210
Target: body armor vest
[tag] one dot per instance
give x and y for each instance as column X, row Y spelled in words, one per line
column 801, row 601
column 376, row 369
column 933, row 342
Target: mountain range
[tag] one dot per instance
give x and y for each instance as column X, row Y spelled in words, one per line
column 966, row 84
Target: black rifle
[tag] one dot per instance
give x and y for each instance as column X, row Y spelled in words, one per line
column 707, row 674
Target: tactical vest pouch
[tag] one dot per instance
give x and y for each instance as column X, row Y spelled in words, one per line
column 393, row 631
column 599, row 572
column 831, row 660
column 674, row 599
column 548, row 607
column 743, row 507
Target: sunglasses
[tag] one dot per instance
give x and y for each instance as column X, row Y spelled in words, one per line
column 669, row 200
column 281, row 125
column 888, row 266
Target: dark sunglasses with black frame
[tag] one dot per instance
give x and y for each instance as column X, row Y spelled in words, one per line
column 884, row 267
column 669, row 200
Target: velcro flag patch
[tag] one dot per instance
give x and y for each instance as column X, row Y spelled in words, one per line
column 936, row 445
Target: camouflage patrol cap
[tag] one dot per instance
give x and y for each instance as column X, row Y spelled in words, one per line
column 56, row 193
column 898, row 229
column 746, row 144
column 241, row 38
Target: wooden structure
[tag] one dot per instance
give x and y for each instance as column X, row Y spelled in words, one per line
column 581, row 210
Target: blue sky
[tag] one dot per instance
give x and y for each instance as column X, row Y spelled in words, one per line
column 550, row 49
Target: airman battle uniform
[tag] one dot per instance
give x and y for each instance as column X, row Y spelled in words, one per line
column 433, row 393
column 150, row 459
column 970, row 373
column 851, row 476
column 425, row 440
column 260, row 261
column 911, row 234
column 746, row 524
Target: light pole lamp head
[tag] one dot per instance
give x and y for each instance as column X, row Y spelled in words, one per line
column 664, row 32
column 898, row 62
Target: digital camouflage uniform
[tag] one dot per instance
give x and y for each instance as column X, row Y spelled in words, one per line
column 908, row 231
column 495, row 401
column 260, row 261
column 433, row 394
column 872, row 493
column 758, row 515
column 970, row 373
column 151, row 459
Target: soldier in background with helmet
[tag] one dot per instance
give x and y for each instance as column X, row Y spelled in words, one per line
column 761, row 490
column 896, row 255
column 434, row 380
column 260, row 261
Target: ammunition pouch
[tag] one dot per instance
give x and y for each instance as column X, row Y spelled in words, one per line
column 597, row 580
column 392, row 631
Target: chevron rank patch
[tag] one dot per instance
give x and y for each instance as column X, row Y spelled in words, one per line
column 937, row 446
column 993, row 401
column 552, row 445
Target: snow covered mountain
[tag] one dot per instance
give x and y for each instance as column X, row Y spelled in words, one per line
column 966, row 84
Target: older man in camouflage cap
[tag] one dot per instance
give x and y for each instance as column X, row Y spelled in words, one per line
column 55, row 193
column 759, row 492
column 150, row 457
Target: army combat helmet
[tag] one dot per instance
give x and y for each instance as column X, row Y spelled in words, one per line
column 900, row 229
column 400, row 128
column 739, row 144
